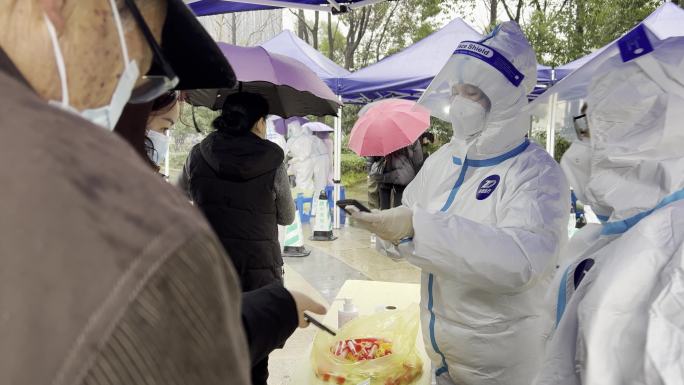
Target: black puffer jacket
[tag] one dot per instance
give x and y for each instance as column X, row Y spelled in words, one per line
column 231, row 179
column 399, row 167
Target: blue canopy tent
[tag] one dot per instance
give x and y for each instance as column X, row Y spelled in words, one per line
column 393, row 78
column 288, row 44
column 216, row 7
column 664, row 22
column 407, row 73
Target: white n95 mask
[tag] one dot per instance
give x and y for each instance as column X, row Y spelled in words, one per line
column 467, row 118
column 106, row 116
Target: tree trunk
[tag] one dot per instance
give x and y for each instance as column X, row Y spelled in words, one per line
column 579, row 25
column 381, row 39
column 233, row 28
column 331, row 38
column 314, row 31
column 493, row 8
column 301, row 26
column 357, row 29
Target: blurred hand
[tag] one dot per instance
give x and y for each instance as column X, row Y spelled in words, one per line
column 391, row 225
column 306, row 303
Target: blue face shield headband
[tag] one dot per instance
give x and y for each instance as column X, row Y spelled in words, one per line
column 491, row 57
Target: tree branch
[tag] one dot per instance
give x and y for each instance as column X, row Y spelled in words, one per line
column 508, row 11
column 384, row 30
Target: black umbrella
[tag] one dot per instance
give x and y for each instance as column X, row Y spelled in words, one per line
column 290, row 87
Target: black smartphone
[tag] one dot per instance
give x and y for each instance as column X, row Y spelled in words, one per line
column 318, row 324
column 352, row 202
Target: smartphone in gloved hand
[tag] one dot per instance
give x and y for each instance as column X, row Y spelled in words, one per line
column 352, row 202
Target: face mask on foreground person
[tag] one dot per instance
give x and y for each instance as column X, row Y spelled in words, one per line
column 98, row 253
column 620, row 301
column 488, row 214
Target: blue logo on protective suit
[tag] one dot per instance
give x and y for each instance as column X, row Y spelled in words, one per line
column 487, row 187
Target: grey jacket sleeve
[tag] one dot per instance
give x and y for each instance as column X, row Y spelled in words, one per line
column 182, row 183
column 418, row 156
column 283, row 195
column 184, row 327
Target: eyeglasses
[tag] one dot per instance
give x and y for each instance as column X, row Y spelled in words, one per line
column 581, row 127
column 152, row 86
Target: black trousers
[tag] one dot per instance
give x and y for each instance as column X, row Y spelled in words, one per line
column 390, row 195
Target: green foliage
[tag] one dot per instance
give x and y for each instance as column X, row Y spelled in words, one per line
column 562, row 31
column 364, row 36
column 338, row 40
column 353, row 169
column 353, row 163
column 441, row 129
column 560, row 146
column 184, row 135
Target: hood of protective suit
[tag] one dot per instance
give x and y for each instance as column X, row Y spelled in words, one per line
column 302, row 142
column 241, row 157
column 503, row 65
column 636, row 116
column 294, row 129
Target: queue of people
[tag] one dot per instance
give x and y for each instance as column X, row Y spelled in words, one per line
column 109, row 275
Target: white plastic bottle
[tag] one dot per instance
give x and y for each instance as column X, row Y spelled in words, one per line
column 347, row 313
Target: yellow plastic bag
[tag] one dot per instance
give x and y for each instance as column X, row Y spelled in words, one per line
column 395, row 331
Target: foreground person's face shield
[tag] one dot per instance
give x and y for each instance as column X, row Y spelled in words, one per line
column 151, row 86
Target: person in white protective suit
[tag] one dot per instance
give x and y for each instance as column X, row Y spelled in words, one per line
column 322, row 158
column 300, row 147
column 273, row 135
column 488, row 213
column 624, row 322
column 329, row 148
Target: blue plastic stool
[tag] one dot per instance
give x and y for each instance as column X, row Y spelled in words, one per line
column 329, row 192
column 300, row 201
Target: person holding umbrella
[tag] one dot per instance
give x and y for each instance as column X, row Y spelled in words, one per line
column 387, row 133
column 484, row 219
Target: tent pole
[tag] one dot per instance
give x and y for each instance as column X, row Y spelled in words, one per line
column 551, row 129
column 337, row 169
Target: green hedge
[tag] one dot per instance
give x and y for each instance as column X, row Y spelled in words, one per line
column 352, row 163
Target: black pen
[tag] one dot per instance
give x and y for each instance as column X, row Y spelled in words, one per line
column 318, row 324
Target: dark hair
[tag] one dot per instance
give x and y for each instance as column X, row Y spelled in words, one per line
column 240, row 112
column 164, row 102
column 429, row 136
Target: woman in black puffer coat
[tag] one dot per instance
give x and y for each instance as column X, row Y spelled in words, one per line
column 238, row 179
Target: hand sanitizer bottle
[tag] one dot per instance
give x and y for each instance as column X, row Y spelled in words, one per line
column 347, row 313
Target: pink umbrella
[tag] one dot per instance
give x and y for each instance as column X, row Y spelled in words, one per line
column 388, row 126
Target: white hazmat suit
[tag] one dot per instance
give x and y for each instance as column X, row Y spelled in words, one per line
column 272, row 134
column 624, row 323
column 490, row 212
column 300, row 148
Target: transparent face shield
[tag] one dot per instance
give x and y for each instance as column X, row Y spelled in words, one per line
column 473, row 71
